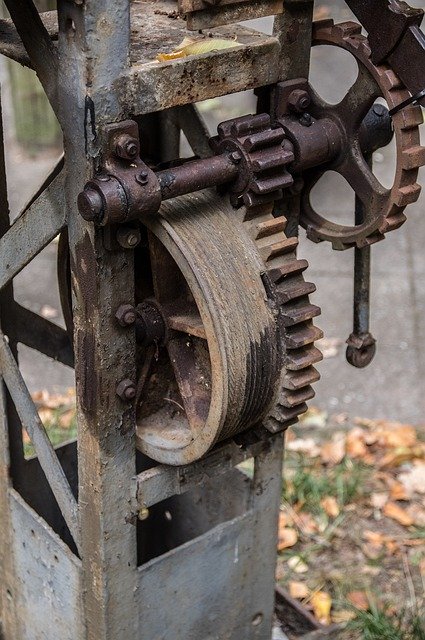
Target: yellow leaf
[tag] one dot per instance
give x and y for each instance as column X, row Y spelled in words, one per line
column 359, row 600
column 330, row 506
column 342, row 616
column 298, row 590
column 190, row 47
column 287, row 538
column 322, row 605
column 397, row 513
column 355, row 444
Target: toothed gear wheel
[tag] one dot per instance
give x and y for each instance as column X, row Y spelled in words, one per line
column 263, row 153
column 384, row 208
column 239, row 346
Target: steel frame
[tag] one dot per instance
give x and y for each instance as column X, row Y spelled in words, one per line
column 77, row 541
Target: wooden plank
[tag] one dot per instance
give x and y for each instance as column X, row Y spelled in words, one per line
column 32, row 231
column 35, row 429
column 152, row 87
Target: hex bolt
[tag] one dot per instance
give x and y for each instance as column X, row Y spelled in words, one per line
column 299, row 100
column 306, row 120
column 126, row 390
column 143, row 177
column 90, row 205
column 126, row 315
column 128, row 237
column 126, row 147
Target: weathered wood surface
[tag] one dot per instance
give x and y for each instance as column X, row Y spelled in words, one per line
column 150, row 85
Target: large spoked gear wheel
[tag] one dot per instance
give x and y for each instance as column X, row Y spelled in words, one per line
column 225, row 325
column 384, row 208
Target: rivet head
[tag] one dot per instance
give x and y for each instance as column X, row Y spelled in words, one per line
column 142, row 177
column 128, row 238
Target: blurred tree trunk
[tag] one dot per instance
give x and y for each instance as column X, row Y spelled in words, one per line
column 36, row 126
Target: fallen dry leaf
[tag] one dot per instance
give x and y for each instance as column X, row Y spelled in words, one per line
column 413, row 480
column 304, row 445
column 401, row 455
column 417, row 513
column 296, row 564
column 397, row 513
column 355, row 443
column 375, row 538
column 45, row 414
column 359, row 600
column 298, row 590
column 395, row 434
column 306, row 524
column 330, row 506
column 398, row 491
column 322, row 605
column 378, row 500
column 333, row 452
column 422, row 567
column 287, row 538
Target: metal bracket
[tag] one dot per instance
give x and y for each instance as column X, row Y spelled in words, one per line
column 204, row 14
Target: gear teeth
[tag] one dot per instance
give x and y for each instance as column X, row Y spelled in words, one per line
column 261, row 162
column 295, row 267
column 389, row 215
column 295, row 290
column 296, row 380
column 297, row 314
column 289, row 400
column 273, row 183
column 413, row 158
column 270, row 227
column 263, row 139
column 281, row 248
column 297, row 337
column 407, row 195
column 285, row 414
column 302, row 358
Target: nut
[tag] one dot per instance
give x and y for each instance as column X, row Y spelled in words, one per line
column 127, row 147
column 128, row 237
column 126, row 315
column 142, row 177
column 126, row 390
column 299, row 100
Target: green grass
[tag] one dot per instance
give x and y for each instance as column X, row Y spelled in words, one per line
column 377, row 624
column 308, row 482
column 57, row 434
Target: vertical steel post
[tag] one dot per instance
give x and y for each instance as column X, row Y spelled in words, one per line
column 94, row 50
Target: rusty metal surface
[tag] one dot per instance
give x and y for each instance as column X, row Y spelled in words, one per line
column 396, row 39
column 384, row 208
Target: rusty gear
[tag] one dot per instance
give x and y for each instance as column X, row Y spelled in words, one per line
column 263, row 152
column 384, row 208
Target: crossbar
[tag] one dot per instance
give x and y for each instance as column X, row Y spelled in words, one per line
column 32, row 231
column 32, row 424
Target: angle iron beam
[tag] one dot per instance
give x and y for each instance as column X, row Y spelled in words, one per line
column 40, row 334
column 163, row 481
column 94, row 42
column 35, row 429
column 202, row 16
column 32, row 231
